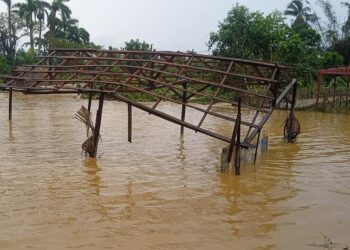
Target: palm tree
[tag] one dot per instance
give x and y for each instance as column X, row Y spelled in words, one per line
column 57, row 6
column 67, row 25
column 9, row 7
column 84, row 35
column 42, row 12
column 302, row 14
column 28, row 11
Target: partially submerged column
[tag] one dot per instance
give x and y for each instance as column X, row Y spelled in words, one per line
column 10, row 104
column 231, row 156
column 98, row 124
column 184, row 101
column 90, row 97
column 292, row 125
column 129, row 122
column 347, row 93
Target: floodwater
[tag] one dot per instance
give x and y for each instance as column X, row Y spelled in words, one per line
column 165, row 191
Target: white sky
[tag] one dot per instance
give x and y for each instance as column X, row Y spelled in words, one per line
column 167, row 24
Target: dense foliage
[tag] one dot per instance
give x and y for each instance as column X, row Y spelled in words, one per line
column 47, row 25
column 307, row 44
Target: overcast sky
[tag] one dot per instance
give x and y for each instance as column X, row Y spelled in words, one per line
column 167, row 24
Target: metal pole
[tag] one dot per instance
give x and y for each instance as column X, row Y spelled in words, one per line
column 184, row 101
column 129, row 122
column 238, row 142
column 10, row 104
column 98, row 124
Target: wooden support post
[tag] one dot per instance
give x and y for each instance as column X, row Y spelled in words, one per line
column 50, row 69
column 291, row 114
column 10, row 104
column 90, row 97
column 347, row 92
column 129, row 122
column 238, row 142
column 294, row 96
column 276, row 85
column 98, row 124
column 334, row 90
column 318, row 91
column 184, row 101
column 257, row 146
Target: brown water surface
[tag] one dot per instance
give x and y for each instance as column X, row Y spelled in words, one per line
column 164, row 191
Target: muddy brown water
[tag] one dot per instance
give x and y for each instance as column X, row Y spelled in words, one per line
column 165, row 191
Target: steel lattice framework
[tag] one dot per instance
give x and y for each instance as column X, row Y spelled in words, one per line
column 163, row 76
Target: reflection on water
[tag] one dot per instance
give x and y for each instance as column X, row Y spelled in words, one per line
column 164, row 190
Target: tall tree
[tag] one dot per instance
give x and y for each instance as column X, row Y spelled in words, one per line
column 57, row 7
column 28, row 11
column 17, row 32
column 42, row 13
column 9, row 41
column 302, row 13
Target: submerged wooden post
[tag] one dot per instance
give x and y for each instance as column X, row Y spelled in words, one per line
column 291, row 114
column 257, row 147
column 98, row 124
column 347, row 92
column 90, row 97
column 238, row 142
column 184, row 101
column 129, row 122
column 10, row 104
column 334, row 90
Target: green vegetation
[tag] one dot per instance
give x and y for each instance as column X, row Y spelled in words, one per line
column 307, row 44
column 48, row 25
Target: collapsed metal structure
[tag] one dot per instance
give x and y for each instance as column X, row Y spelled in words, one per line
column 174, row 77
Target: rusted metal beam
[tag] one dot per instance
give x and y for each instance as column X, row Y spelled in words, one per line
column 179, row 54
column 144, row 90
column 215, row 95
column 160, row 62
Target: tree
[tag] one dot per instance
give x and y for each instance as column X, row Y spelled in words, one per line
column 57, row 7
column 17, row 32
column 9, row 39
column 28, row 11
column 137, row 45
column 42, row 13
column 251, row 35
column 301, row 13
column 84, row 35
